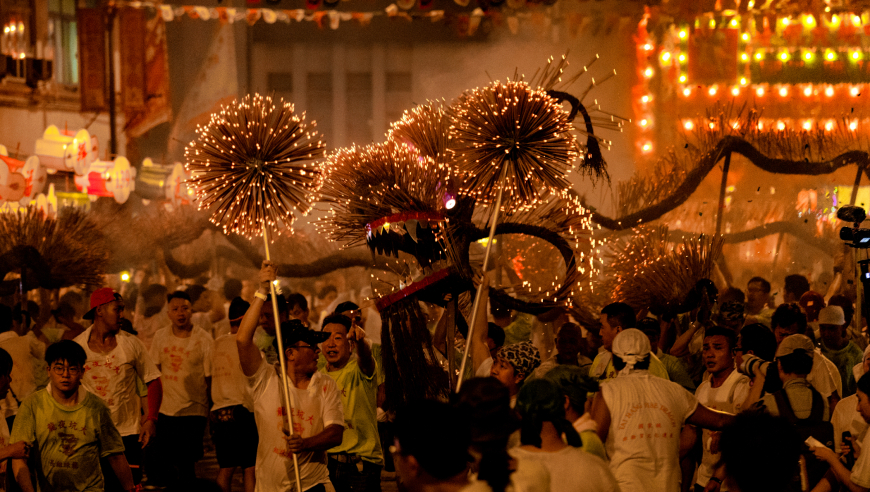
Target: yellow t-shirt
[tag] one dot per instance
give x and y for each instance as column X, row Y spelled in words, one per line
column 359, row 395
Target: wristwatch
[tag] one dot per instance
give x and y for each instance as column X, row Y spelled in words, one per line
column 260, row 295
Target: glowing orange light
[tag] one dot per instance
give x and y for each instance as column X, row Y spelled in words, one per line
column 735, row 91
column 648, row 73
column 712, row 90
column 759, row 92
column 687, row 92
column 854, row 91
column 688, row 125
column 808, row 125
column 808, row 91
column 829, row 91
column 829, row 125
column 780, row 125
column 783, row 91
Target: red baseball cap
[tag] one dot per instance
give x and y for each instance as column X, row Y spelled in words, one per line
column 100, row 297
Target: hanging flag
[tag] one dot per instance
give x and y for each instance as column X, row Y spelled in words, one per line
column 157, row 108
column 92, row 59
column 131, row 22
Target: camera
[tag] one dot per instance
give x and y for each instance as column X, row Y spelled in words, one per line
column 855, row 236
column 750, row 362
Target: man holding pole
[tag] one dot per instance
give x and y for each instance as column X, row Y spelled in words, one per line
column 316, row 412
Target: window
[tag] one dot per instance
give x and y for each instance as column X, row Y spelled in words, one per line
column 281, row 85
column 63, row 43
column 398, row 94
column 358, row 104
column 318, row 100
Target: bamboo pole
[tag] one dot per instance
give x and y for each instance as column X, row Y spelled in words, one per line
column 283, row 363
column 722, row 187
column 477, row 297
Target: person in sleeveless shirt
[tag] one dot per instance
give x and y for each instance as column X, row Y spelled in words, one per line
column 640, row 417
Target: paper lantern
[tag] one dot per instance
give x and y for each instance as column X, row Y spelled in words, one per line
column 64, row 151
column 179, row 192
column 114, row 179
column 23, row 180
column 152, row 182
column 163, row 182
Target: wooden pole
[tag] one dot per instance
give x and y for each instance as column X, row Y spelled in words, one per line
column 287, row 403
column 722, row 188
column 859, row 283
column 477, row 297
column 450, row 336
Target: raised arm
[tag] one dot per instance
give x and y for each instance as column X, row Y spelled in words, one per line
column 479, row 349
column 249, row 354
column 363, row 352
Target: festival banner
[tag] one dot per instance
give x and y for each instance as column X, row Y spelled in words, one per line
column 92, row 59
column 131, row 22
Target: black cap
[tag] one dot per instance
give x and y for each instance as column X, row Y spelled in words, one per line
column 294, row 331
column 238, row 308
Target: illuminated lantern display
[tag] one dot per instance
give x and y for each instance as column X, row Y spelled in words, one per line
column 163, row 182
column 63, row 151
column 116, row 179
column 180, row 192
column 20, row 181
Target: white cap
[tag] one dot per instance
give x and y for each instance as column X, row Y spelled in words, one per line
column 795, row 342
column 832, row 315
column 632, row 346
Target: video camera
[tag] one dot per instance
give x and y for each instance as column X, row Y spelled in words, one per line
column 855, row 237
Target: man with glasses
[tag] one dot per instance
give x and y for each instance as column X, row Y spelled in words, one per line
column 116, row 361
column 725, row 390
column 317, row 420
column 69, row 428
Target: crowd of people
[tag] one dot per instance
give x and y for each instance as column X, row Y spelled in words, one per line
column 728, row 392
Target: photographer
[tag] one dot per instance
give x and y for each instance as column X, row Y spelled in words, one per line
column 788, row 320
column 857, row 479
column 798, row 401
column 756, row 346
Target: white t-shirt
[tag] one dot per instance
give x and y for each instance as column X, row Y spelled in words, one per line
column 861, row 470
column 203, row 320
column 40, row 367
column 229, row 386
column 23, row 351
column 485, row 369
column 572, row 469
column 148, row 327
column 314, row 409
column 113, row 377
column 184, row 364
column 646, row 416
column 847, row 418
column 726, row 398
column 824, row 376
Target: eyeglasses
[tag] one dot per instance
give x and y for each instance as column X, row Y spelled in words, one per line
column 59, row 369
